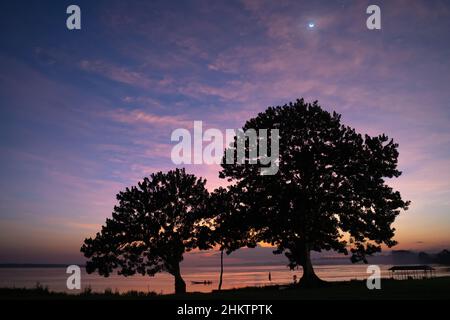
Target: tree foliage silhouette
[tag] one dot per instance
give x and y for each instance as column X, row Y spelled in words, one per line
column 330, row 187
column 151, row 227
column 224, row 225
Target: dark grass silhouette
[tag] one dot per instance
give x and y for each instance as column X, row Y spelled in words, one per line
column 435, row 288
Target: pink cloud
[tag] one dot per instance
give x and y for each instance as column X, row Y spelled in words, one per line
column 137, row 117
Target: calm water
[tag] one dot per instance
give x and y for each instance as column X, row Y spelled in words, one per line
column 234, row 277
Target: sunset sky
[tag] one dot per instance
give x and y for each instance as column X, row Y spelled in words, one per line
column 86, row 113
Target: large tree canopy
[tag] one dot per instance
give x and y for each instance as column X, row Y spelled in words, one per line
column 330, row 187
column 151, row 227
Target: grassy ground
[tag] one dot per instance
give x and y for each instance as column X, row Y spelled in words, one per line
column 436, row 288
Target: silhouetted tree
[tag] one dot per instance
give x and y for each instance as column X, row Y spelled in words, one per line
column 151, row 227
column 330, row 183
column 224, row 225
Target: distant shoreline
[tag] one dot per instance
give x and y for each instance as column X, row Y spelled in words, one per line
column 35, row 265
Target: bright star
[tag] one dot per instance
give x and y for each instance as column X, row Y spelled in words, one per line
column 311, row 25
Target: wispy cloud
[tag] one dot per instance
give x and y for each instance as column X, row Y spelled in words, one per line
column 140, row 117
column 120, row 74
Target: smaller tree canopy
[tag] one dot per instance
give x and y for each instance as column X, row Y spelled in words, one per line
column 223, row 228
column 151, row 227
column 226, row 215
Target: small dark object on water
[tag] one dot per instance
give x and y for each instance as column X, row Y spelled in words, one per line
column 206, row 282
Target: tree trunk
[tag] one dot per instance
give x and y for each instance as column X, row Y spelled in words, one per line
column 180, row 285
column 221, row 270
column 309, row 278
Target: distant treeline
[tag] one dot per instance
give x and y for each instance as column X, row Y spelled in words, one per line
column 442, row 257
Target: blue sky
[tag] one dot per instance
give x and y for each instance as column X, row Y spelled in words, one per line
column 86, row 113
